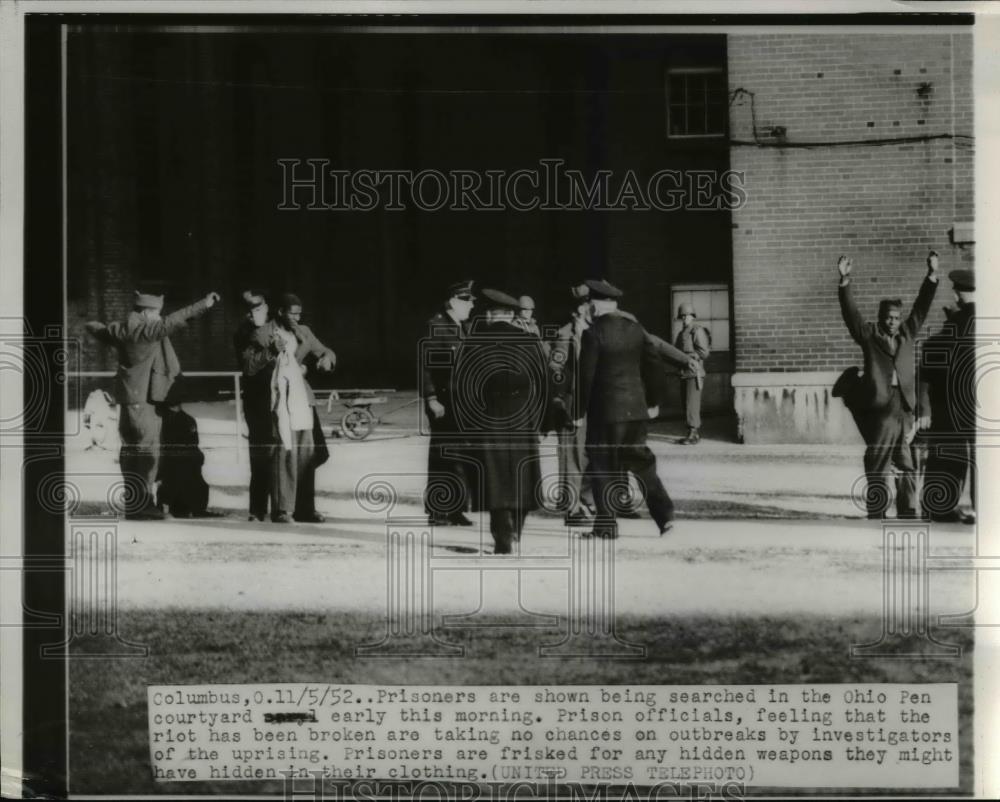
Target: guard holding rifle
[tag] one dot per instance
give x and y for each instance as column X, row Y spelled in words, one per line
column 694, row 340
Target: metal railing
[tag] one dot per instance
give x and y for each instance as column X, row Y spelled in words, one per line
column 236, row 376
column 210, row 374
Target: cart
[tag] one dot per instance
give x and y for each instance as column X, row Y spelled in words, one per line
column 358, row 420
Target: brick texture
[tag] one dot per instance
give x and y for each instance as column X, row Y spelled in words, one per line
column 883, row 204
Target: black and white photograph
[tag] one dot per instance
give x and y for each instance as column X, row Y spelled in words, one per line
column 479, row 406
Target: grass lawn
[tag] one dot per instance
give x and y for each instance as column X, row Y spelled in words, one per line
column 109, row 750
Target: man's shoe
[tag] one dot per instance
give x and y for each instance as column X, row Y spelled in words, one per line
column 459, row 519
column 578, row 518
column 954, row 517
column 147, row 514
column 310, row 518
column 282, row 518
column 692, row 439
column 666, row 528
column 437, row 520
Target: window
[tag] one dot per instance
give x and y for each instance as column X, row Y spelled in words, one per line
column 696, row 102
column 711, row 305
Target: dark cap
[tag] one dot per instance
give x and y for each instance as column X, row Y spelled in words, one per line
column 144, row 300
column 601, row 289
column 288, row 300
column 497, row 299
column 253, row 299
column 963, row 280
column 460, row 288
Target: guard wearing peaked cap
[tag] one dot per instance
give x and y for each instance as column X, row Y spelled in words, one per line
column 447, row 495
column 617, row 387
column 947, row 408
column 147, row 369
column 502, row 393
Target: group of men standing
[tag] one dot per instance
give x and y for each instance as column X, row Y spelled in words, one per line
column 287, row 444
column 491, row 387
column 274, row 354
column 902, row 409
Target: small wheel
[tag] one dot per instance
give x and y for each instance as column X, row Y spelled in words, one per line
column 357, row 424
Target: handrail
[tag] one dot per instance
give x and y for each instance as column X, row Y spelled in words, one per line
column 236, row 375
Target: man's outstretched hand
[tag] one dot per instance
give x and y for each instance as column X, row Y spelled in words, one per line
column 844, row 266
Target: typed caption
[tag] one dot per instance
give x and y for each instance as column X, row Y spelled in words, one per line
column 831, row 735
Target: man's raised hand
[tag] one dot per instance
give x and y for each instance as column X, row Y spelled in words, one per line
column 844, row 265
column 212, row 299
column 932, row 263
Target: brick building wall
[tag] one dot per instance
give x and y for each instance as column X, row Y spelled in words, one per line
column 885, row 203
column 174, row 182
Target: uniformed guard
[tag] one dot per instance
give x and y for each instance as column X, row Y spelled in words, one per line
column 448, row 492
column 147, row 369
column 947, row 407
column 617, row 401
column 504, row 404
column 693, row 340
column 525, row 316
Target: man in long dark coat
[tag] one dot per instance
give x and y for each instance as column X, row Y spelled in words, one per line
column 448, row 491
column 256, row 390
column 887, row 392
column 947, row 412
column 502, row 375
column 615, row 355
column 147, row 369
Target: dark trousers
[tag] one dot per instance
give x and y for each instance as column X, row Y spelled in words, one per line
column 950, row 459
column 448, row 492
column 576, row 493
column 293, row 479
column 505, row 526
column 261, row 443
column 139, row 426
column 691, row 402
column 614, row 449
column 884, row 431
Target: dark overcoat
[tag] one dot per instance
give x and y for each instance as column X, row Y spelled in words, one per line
column 620, row 372
column 503, row 378
column 947, row 374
